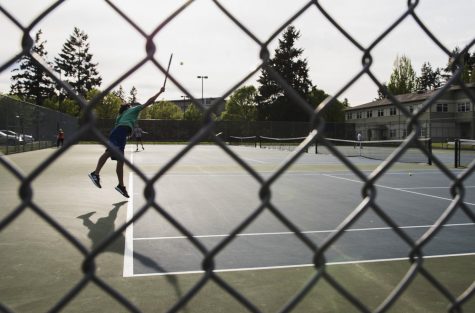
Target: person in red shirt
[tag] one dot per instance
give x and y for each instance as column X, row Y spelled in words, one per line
column 60, row 138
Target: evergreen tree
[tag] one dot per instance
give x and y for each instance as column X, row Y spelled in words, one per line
column 132, row 95
column 120, row 93
column 430, row 79
column 29, row 81
column 274, row 103
column 466, row 62
column 75, row 63
column 381, row 94
column 403, row 77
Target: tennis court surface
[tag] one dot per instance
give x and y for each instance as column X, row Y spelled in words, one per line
column 154, row 265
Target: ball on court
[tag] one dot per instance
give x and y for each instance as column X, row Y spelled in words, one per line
column 410, row 174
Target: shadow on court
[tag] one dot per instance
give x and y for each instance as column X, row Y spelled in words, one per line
column 105, row 227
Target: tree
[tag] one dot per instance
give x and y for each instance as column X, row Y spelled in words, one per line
column 107, row 107
column 381, row 94
column 164, row 110
column 132, row 95
column 273, row 101
column 403, row 77
column 30, row 82
column 466, row 61
column 430, row 79
column 120, row 93
column 333, row 112
column 241, row 105
column 75, row 63
column 193, row 113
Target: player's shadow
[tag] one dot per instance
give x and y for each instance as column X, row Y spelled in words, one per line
column 105, row 227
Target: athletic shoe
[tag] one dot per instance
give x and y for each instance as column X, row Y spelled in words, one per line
column 95, row 179
column 122, row 190
column 143, row 148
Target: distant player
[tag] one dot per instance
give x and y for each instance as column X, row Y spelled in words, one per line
column 138, row 136
column 359, row 138
column 60, row 138
column 124, row 123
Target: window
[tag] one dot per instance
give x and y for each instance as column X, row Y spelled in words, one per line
column 411, row 108
column 380, row 112
column 349, row 116
column 369, row 113
column 463, row 107
column 442, row 107
column 392, row 111
column 358, row 115
column 392, row 133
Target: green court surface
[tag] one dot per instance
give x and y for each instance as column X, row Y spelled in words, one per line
column 153, row 266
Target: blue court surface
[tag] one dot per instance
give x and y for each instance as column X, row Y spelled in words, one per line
column 210, row 195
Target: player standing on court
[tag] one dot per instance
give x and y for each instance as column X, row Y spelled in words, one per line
column 60, row 138
column 359, row 137
column 138, row 136
column 124, row 123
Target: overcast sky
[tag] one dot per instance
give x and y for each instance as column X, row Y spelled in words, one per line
column 207, row 42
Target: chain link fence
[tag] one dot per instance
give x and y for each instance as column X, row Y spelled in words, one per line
column 179, row 130
column 207, row 129
column 31, row 127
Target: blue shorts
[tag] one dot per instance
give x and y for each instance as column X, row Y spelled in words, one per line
column 118, row 138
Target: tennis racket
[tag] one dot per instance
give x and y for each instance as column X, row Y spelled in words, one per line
column 168, row 69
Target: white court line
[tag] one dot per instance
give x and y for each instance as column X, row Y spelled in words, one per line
column 446, row 187
column 128, row 270
column 254, row 160
column 398, row 189
column 304, row 265
column 304, row 232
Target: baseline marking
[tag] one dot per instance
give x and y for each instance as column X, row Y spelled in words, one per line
column 305, row 265
column 128, row 270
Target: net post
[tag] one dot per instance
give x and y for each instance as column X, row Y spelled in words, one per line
column 456, row 153
column 429, row 148
column 258, row 139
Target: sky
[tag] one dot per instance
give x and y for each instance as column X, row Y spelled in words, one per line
column 205, row 42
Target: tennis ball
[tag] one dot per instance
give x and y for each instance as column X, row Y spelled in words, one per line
column 410, row 174
column 181, row 63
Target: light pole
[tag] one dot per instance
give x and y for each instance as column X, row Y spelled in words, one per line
column 202, row 97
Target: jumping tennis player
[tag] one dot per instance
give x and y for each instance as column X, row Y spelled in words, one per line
column 124, row 123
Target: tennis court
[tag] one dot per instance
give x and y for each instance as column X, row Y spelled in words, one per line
column 211, row 201
column 210, row 195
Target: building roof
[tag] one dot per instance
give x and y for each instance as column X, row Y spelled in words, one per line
column 405, row 98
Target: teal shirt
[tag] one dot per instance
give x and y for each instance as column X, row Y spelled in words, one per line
column 129, row 117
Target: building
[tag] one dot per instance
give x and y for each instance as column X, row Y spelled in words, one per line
column 451, row 116
column 185, row 102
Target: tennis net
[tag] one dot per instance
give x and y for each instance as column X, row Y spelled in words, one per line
column 464, row 152
column 374, row 149
column 243, row 141
column 378, row 149
column 286, row 144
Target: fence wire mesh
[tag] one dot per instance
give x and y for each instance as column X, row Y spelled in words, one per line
column 207, row 130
